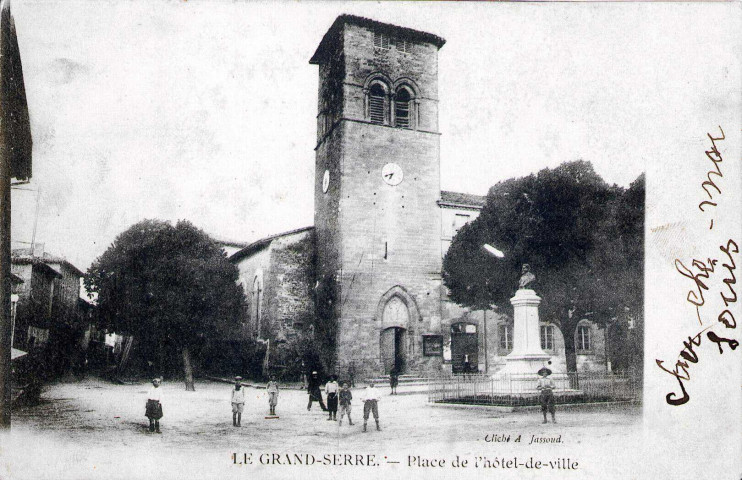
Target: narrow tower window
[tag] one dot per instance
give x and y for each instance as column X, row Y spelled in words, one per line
column 376, row 104
column 402, row 108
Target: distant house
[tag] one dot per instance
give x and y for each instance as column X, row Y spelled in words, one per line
column 35, row 297
column 48, row 310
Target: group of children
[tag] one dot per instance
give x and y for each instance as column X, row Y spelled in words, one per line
column 336, row 395
column 343, row 397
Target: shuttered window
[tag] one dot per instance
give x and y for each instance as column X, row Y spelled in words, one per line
column 381, row 40
column 376, row 104
column 505, row 334
column 402, row 109
column 583, row 338
column 547, row 337
column 403, row 45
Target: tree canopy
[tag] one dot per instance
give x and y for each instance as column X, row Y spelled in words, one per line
column 582, row 238
column 161, row 283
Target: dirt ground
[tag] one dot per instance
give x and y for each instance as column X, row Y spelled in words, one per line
column 96, row 429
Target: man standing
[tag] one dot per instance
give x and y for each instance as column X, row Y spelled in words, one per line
column 370, row 404
column 352, row 373
column 315, row 394
column 394, row 379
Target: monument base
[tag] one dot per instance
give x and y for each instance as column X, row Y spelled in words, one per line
column 525, row 364
column 519, row 375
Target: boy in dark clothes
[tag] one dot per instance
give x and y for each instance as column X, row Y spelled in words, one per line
column 315, row 394
column 394, row 380
column 345, row 398
column 546, row 397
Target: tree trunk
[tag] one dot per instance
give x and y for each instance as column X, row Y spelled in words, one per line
column 568, row 332
column 188, row 370
column 161, row 357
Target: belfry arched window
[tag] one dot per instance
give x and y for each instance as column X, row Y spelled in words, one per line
column 377, row 103
column 403, row 106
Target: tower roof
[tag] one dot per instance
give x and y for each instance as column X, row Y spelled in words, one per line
column 376, row 25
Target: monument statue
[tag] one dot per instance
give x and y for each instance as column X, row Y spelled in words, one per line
column 526, row 277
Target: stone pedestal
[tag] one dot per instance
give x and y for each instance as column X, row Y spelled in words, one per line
column 527, row 356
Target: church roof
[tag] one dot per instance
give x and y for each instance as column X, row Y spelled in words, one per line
column 264, row 242
column 458, row 199
column 376, row 25
column 225, row 242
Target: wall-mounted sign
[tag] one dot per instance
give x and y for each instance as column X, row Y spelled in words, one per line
column 432, row 345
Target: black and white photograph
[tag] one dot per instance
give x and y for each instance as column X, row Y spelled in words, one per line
column 370, row 239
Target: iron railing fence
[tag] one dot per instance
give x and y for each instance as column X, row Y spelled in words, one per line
column 520, row 389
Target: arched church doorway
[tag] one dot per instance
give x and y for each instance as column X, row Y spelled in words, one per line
column 393, row 349
column 395, row 319
column 464, row 348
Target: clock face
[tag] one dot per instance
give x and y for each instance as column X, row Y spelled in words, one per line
column 392, row 174
column 326, row 181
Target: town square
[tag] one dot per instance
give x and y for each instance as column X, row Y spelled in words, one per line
column 424, row 240
column 85, row 427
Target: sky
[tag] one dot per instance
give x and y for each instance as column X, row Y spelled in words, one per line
column 205, row 110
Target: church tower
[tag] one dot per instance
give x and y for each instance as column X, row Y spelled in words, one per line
column 378, row 227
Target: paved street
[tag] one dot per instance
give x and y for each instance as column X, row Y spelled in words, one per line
column 95, row 429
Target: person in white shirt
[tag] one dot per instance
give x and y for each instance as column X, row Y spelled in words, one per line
column 272, row 389
column 331, row 390
column 370, row 405
column 238, row 402
column 154, row 406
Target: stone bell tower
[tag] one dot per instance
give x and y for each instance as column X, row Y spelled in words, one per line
column 377, row 181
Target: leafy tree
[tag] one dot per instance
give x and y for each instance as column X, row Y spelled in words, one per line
column 581, row 237
column 164, row 283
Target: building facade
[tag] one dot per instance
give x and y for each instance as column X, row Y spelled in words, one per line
column 48, row 315
column 382, row 225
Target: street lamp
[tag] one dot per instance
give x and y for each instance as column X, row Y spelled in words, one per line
column 489, row 250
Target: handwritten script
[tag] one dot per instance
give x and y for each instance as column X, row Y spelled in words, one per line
column 701, row 274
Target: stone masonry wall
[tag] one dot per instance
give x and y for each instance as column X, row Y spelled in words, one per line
column 361, row 220
column 292, row 278
column 400, row 221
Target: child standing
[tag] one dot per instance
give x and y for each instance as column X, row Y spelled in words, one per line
column 345, row 398
column 331, row 390
column 154, row 406
column 546, row 398
column 238, row 402
column 370, row 405
column 273, row 394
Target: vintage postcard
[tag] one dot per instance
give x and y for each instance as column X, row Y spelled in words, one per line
column 370, row 240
